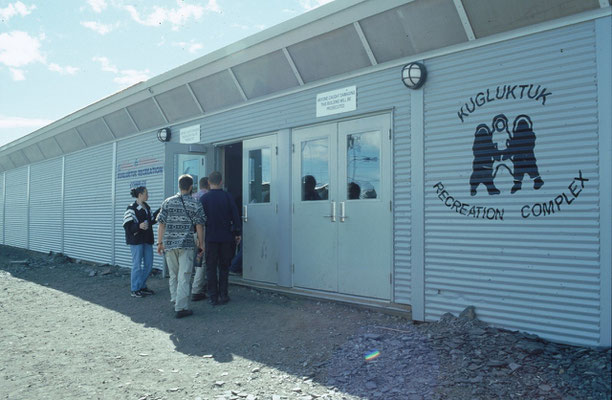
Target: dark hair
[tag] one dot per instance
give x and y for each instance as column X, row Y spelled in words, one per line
column 215, row 177
column 185, row 182
column 138, row 190
column 204, row 183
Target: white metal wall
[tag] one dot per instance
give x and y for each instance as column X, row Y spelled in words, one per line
column 539, row 273
column 46, row 206
column 88, row 205
column 16, row 207
column 138, row 162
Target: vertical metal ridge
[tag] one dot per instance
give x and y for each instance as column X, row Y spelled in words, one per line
column 113, row 200
column 417, row 222
column 603, row 32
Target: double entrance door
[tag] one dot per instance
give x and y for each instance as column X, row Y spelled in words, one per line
column 342, row 219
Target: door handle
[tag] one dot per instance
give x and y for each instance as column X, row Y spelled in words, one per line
column 333, row 212
column 245, row 213
column 343, row 212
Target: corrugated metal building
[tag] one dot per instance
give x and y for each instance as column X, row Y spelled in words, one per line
column 490, row 185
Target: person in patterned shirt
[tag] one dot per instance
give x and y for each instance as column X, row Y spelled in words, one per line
column 177, row 218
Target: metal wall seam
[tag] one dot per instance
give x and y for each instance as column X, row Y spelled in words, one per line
column 28, row 211
column 2, row 209
column 139, row 161
column 45, row 211
column 603, row 31
column 114, row 203
column 418, row 207
column 522, row 267
column 63, row 202
column 88, row 203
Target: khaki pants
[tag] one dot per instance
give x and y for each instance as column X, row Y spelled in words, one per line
column 180, row 265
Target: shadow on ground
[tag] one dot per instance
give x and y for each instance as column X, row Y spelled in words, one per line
column 294, row 335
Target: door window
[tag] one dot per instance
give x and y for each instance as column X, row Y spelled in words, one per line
column 315, row 169
column 259, row 175
column 194, row 165
column 363, row 165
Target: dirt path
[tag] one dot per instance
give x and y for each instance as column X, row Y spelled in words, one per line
column 65, row 334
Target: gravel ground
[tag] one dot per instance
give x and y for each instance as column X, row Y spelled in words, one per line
column 71, row 331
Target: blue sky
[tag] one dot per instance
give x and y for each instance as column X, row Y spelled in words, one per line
column 58, row 56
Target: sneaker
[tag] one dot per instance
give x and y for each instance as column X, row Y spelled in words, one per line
column 183, row 313
column 137, row 293
column 224, row 299
column 146, row 291
column 235, row 273
column 213, row 302
column 198, row 296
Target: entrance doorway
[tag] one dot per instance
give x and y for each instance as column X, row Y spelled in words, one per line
column 342, row 220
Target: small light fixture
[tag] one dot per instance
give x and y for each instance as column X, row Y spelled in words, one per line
column 414, row 75
column 163, row 135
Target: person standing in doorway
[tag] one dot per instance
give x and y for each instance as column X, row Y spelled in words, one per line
column 198, row 288
column 178, row 217
column 138, row 225
column 222, row 231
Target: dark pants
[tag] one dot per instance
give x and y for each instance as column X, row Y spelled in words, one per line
column 218, row 256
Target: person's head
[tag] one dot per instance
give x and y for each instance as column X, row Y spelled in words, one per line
column 309, row 183
column 185, row 183
column 215, row 178
column 354, row 191
column 140, row 193
column 204, row 183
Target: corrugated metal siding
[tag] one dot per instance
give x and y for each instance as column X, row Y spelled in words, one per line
column 375, row 92
column 46, row 206
column 539, row 274
column 16, row 208
column 88, row 210
column 2, row 225
column 142, row 147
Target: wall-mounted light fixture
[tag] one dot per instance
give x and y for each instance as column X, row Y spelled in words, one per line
column 163, row 135
column 414, row 75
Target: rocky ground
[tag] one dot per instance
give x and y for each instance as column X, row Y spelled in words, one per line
column 71, row 331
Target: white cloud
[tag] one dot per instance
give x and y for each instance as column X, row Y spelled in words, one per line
column 175, row 16
column 67, row 70
column 17, row 74
column 239, row 26
column 18, row 48
column 19, row 122
column 130, row 77
column 125, row 77
column 98, row 27
column 13, row 9
column 312, row 4
column 97, row 5
column 191, row 47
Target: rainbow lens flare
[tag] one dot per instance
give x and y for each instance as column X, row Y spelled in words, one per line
column 372, row 355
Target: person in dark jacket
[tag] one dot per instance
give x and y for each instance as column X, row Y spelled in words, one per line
column 222, row 230
column 138, row 225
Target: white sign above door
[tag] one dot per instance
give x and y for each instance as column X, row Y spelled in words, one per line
column 191, row 134
column 337, row 101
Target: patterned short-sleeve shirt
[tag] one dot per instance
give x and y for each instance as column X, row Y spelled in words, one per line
column 179, row 220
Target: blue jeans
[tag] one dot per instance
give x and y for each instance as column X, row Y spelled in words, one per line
column 142, row 263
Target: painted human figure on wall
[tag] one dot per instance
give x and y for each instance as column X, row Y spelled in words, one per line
column 520, row 151
column 485, row 153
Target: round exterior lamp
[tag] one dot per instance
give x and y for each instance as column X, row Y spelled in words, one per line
column 414, row 75
column 163, row 135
